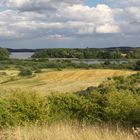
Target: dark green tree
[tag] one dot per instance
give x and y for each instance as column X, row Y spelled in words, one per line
column 4, row 53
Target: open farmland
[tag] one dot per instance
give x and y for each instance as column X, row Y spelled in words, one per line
column 60, row 81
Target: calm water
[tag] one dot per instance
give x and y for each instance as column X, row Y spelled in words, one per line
column 26, row 55
column 21, row 55
column 100, row 61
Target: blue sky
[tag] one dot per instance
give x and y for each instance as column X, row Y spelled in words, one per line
column 74, row 23
column 94, row 2
column 2, row 8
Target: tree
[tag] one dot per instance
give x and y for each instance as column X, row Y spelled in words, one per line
column 137, row 67
column 4, row 53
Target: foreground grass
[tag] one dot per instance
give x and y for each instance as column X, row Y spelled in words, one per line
column 66, row 132
column 66, row 80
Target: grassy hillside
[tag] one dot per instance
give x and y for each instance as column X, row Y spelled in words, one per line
column 60, row 81
column 107, row 112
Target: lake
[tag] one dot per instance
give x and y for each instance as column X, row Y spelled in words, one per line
column 27, row 55
column 21, row 55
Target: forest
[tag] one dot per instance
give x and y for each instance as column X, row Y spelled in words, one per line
column 89, row 53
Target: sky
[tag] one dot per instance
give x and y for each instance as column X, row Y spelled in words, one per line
column 69, row 23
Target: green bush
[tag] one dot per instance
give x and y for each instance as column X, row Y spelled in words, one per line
column 25, row 72
column 38, row 71
column 137, row 67
column 123, row 107
column 21, row 108
column 75, row 107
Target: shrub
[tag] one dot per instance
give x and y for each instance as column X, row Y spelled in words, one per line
column 137, row 67
column 122, row 107
column 38, row 71
column 25, row 72
column 75, row 107
column 107, row 62
column 21, row 108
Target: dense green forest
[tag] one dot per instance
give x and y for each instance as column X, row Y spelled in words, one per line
column 116, row 100
column 89, row 53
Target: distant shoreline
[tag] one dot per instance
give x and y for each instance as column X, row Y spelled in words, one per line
column 35, row 50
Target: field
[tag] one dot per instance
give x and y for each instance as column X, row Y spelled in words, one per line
column 33, row 111
column 66, row 132
column 59, row 81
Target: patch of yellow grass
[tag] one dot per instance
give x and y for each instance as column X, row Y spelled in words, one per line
column 66, row 132
column 66, row 80
column 7, row 74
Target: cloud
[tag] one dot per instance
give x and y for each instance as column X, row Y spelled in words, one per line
column 67, row 19
column 37, row 5
column 123, row 3
column 55, row 18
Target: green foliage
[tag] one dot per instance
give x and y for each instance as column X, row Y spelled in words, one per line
column 123, row 107
column 75, row 107
column 137, row 67
column 21, row 108
column 25, row 72
column 89, row 53
column 116, row 100
column 38, row 71
column 4, row 53
column 43, row 64
column 107, row 62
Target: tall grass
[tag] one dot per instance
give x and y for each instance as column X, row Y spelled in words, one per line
column 63, row 131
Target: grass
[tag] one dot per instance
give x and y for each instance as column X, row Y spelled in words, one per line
column 63, row 131
column 63, row 81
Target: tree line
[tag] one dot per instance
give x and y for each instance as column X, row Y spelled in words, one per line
column 88, row 53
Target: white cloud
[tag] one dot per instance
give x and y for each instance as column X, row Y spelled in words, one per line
column 70, row 18
column 134, row 13
column 123, row 3
column 67, row 18
column 32, row 5
column 107, row 28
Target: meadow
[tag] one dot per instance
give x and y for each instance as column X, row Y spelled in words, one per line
column 55, row 81
column 97, row 114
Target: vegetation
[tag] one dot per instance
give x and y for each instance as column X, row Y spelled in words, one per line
column 137, row 67
column 25, row 72
column 62, row 64
column 67, row 131
column 96, row 98
column 4, row 54
column 88, row 53
column 117, row 101
column 57, row 80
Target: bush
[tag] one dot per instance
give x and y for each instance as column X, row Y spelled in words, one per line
column 25, row 72
column 123, row 107
column 75, row 107
column 38, row 71
column 107, row 62
column 21, row 108
column 137, row 67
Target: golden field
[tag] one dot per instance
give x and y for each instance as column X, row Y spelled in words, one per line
column 50, row 81
column 66, row 132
